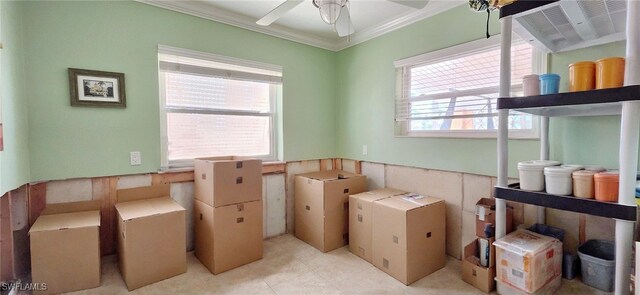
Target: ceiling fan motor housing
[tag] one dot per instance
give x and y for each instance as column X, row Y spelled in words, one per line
column 330, row 9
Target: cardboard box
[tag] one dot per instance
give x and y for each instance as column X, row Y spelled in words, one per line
column 228, row 237
column 151, row 235
column 472, row 270
column 486, row 214
column 65, row 248
column 527, row 260
column 322, row 207
column 222, row 181
column 360, row 215
column 409, row 236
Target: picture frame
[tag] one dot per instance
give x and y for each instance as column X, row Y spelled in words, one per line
column 90, row 88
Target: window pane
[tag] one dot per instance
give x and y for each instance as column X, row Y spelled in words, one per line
column 202, row 135
column 192, row 91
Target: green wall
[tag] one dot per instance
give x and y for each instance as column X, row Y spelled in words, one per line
column 14, row 160
column 122, row 36
column 366, row 92
column 585, row 139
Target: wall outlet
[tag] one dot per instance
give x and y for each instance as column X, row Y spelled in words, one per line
column 365, row 149
column 135, row 158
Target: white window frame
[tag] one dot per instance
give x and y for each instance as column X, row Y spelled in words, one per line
column 539, row 66
column 275, row 96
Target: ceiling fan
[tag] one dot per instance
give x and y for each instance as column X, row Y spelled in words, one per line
column 332, row 12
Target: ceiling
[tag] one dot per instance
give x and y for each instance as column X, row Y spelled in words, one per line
column 371, row 18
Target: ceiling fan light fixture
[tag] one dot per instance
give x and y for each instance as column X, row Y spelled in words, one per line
column 329, row 9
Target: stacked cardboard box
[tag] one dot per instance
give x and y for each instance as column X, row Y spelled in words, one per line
column 322, row 207
column 65, row 248
column 478, row 260
column 361, row 220
column 402, row 234
column 228, row 212
column 528, row 261
column 151, row 235
column 409, row 236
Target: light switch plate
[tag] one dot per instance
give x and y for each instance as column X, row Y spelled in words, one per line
column 135, row 158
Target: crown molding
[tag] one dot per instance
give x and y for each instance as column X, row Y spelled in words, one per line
column 202, row 10
column 435, row 7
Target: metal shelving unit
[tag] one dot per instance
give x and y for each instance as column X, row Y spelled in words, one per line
column 624, row 101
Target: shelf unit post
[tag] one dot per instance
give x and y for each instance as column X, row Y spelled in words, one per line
column 629, row 136
column 503, row 122
column 544, row 155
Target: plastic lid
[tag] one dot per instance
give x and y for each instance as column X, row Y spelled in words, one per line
column 594, row 168
column 558, row 170
column 549, row 76
column 574, row 167
column 584, row 173
column 607, row 176
column 583, row 64
column 537, row 164
column 610, row 59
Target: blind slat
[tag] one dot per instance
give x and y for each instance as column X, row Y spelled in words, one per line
column 219, row 73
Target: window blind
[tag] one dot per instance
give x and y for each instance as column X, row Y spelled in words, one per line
column 215, row 108
column 458, row 91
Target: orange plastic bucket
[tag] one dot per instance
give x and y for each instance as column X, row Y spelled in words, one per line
column 582, row 76
column 606, row 186
column 609, row 72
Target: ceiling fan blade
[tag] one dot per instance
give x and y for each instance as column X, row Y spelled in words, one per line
column 278, row 12
column 417, row 4
column 344, row 26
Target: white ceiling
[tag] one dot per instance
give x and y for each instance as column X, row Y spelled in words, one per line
column 371, row 18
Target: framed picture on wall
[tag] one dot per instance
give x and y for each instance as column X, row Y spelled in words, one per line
column 96, row 88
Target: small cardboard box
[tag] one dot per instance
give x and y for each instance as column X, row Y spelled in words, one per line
column 151, row 235
column 409, row 236
column 527, row 260
column 473, row 272
column 65, row 248
column 486, row 214
column 322, row 207
column 228, row 237
column 222, row 181
column 360, row 216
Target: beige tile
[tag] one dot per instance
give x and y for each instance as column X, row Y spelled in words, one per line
column 468, row 229
column 443, row 281
column 375, row 175
column 370, row 281
column 407, row 178
column 274, row 205
column 183, row 194
column 277, row 269
column 336, row 264
column 448, row 186
column 569, row 221
column 294, row 168
column 308, row 283
column 474, row 188
column 239, row 281
column 600, row 228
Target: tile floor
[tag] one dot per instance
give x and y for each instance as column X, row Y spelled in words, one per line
column 290, row 266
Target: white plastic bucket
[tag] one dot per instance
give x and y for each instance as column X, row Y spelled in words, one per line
column 532, row 174
column 531, row 85
column 574, row 167
column 558, row 180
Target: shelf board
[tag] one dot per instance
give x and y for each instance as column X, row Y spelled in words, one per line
column 518, row 7
column 582, row 103
column 567, row 203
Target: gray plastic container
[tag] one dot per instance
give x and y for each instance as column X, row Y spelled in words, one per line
column 597, row 260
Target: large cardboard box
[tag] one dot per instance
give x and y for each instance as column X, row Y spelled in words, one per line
column 221, row 181
column 486, row 214
column 409, row 236
column 151, row 235
column 228, row 237
column 527, row 260
column 322, row 207
column 473, row 272
column 360, row 216
column 65, row 248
